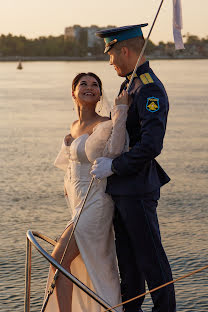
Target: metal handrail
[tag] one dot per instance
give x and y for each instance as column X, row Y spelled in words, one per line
column 32, row 241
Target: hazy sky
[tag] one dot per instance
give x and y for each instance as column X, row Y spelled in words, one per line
column 50, row 17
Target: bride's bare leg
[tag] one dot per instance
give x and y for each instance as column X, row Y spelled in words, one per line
column 64, row 285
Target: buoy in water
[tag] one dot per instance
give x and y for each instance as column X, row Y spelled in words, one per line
column 19, row 66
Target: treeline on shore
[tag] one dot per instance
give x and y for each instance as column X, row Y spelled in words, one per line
column 52, row 46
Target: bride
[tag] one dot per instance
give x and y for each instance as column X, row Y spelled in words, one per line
column 91, row 255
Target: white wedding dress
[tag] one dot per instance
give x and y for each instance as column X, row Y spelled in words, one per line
column 96, row 265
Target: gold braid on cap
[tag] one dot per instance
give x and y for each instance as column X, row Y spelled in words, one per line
column 110, row 43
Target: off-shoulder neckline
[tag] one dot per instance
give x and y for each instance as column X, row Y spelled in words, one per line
column 80, row 136
column 87, row 133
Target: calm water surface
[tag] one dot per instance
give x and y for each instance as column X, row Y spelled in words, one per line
column 35, row 113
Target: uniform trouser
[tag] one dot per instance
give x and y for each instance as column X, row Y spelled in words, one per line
column 140, row 252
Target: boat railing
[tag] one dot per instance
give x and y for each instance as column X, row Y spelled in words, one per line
column 31, row 240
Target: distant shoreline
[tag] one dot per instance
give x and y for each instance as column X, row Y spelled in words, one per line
column 86, row 58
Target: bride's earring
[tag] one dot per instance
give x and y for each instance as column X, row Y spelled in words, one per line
column 74, row 101
column 99, row 104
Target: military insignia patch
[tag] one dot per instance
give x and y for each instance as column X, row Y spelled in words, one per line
column 152, row 104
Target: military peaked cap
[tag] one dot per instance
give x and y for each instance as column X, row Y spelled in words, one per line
column 118, row 34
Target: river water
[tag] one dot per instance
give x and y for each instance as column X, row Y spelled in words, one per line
column 35, row 113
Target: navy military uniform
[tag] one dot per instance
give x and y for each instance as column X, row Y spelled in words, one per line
column 137, row 172
column 135, row 189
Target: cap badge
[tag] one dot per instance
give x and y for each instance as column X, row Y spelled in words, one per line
column 110, row 43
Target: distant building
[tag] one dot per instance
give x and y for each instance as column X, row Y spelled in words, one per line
column 92, row 39
column 72, row 32
column 75, row 31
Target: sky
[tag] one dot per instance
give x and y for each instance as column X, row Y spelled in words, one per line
column 49, row 17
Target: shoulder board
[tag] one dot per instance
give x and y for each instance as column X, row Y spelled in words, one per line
column 146, row 78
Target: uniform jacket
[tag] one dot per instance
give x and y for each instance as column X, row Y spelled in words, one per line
column 137, row 172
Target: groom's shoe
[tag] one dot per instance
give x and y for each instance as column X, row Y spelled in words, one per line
column 135, row 310
column 140, row 310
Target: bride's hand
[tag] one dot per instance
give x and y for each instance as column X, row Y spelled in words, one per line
column 68, row 139
column 123, row 98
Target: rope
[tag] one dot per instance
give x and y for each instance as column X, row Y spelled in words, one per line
column 53, row 283
column 144, row 47
column 159, row 287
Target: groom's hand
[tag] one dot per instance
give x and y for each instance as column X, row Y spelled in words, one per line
column 101, row 168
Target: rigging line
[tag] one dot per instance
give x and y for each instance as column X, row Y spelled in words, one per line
column 144, row 47
column 53, row 283
column 159, row 287
column 79, row 214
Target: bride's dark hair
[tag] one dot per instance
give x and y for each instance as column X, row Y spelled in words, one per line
column 79, row 76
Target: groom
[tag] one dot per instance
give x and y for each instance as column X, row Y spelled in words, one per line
column 135, row 177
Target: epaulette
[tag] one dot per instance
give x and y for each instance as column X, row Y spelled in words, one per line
column 146, row 78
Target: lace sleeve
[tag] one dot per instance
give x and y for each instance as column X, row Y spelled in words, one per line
column 62, row 159
column 108, row 137
column 116, row 142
